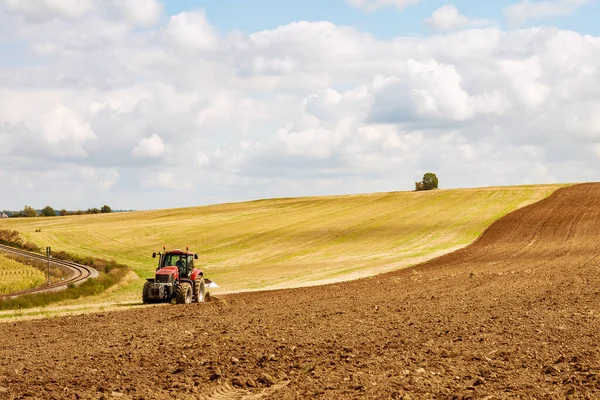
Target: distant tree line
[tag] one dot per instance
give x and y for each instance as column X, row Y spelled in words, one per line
column 103, row 210
column 48, row 211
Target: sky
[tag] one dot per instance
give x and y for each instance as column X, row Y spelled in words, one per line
column 147, row 104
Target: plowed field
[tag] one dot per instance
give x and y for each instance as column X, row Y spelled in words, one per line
column 514, row 315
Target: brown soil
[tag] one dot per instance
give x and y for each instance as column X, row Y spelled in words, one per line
column 515, row 315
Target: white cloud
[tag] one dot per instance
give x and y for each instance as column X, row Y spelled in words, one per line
column 372, row 5
column 311, row 143
column 311, row 42
column 202, row 159
column 235, row 157
column 167, row 180
column 437, row 90
column 191, row 31
column 140, row 12
column 61, row 127
column 447, row 18
column 105, row 178
column 152, row 146
column 42, row 10
column 425, row 90
column 331, row 105
column 524, row 76
column 525, row 10
column 284, row 65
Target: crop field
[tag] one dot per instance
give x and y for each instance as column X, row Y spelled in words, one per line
column 15, row 276
column 291, row 242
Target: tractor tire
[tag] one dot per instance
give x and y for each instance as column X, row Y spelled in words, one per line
column 183, row 293
column 146, row 294
column 199, row 290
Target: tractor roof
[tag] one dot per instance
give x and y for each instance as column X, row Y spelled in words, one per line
column 177, row 251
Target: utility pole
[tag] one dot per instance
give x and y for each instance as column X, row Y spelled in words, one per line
column 48, row 250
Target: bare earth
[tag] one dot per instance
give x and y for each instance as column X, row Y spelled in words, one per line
column 514, row 315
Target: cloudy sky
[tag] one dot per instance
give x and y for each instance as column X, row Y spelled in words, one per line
column 158, row 104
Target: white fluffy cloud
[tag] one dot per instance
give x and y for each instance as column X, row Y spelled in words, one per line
column 41, row 10
column 64, row 131
column 191, row 31
column 105, row 110
column 525, row 79
column 448, row 18
column 106, row 178
column 152, row 146
column 140, row 12
column 372, row 5
column 167, row 180
column 311, row 143
column 524, row 10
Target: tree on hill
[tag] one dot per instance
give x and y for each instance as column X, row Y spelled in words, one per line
column 105, row 209
column 430, row 182
column 48, row 212
column 29, row 212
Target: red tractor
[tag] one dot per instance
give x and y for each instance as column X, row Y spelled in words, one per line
column 176, row 278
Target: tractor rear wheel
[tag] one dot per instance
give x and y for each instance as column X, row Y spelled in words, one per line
column 146, row 293
column 199, row 290
column 183, row 293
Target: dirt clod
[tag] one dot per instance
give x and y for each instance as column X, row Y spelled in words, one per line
column 267, row 379
column 237, row 382
column 479, row 381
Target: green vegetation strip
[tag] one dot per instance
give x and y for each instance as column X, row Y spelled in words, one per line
column 287, row 242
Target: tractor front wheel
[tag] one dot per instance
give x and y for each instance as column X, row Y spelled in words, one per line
column 146, row 293
column 199, row 290
column 183, row 293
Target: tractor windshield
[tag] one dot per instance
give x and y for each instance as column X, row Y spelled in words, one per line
column 185, row 263
column 171, row 259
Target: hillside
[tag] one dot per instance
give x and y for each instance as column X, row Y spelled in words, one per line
column 280, row 243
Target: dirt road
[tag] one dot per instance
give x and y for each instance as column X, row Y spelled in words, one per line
column 515, row 315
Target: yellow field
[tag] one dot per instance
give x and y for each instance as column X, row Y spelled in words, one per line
column 288, row 242
column 15, row 276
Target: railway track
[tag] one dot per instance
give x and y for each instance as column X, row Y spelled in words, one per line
column 80, row 273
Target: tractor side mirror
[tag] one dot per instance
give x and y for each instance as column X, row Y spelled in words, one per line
column 153, row 255
column 195, row 256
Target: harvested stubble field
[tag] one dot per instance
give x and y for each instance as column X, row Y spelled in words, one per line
column 514, row 315
column 15, row 276
column 282, row 243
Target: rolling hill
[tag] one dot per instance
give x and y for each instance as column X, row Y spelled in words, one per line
column 289, row 242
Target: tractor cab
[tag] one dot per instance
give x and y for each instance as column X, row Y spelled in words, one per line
column 182, row 260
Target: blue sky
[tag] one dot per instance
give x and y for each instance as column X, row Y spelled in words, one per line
column 385, row 23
